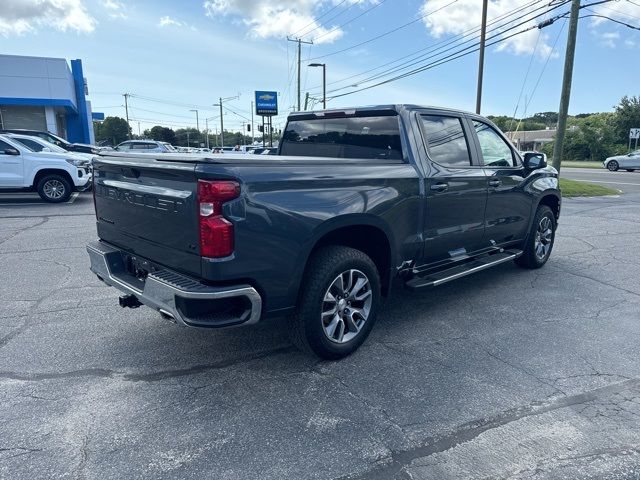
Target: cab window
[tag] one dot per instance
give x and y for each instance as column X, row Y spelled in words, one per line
column 495, row 151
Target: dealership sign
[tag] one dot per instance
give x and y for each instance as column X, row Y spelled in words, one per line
column 266, row 103
column 634, row 133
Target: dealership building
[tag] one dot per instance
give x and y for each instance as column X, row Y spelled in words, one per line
column 41, row 93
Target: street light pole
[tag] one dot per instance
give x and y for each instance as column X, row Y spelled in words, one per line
column 324, row 82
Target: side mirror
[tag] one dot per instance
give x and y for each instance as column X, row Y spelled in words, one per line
column 11, row 151
column 533, row 160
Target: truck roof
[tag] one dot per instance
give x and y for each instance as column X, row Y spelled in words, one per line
column 377, row 108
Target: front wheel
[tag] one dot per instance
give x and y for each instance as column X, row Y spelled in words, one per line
column 54, row 188
column 338, row 303
column 613, row 166
column 539, row 243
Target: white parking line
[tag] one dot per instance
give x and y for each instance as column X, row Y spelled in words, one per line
column 73, row 197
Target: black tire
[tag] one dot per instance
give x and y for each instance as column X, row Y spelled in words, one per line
column 54, row 188
column 307, row 327
column 529, row 258
column 629, row 169
column 613, row 166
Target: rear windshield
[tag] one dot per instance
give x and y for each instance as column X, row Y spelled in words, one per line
column 352, row 137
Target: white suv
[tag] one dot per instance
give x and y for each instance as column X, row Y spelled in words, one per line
column 53, row 175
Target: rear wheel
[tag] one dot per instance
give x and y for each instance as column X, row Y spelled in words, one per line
column 338, row 303
column 539, row 242
column 54, row 188
column 613, row 166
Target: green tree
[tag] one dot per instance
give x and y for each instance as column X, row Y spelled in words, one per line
column 162, row 134
column 188, row 137
column 627, row 116
column 549, row 119
column 112, row 130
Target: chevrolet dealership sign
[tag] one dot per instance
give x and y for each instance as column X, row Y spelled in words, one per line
column 266, row 103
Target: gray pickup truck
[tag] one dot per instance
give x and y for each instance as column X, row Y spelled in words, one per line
column 355, row 199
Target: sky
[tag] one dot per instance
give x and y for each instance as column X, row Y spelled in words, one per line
column 174, row 57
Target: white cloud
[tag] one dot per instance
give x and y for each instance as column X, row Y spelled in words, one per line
column 115, row 9
column 626, row 12
column 465, row 15
column 623, row 11
column 21, row 16
column 608, row 39
column 167, row 21
column 266, row 18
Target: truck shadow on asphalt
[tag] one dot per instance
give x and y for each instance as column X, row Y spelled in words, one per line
column 407, row 316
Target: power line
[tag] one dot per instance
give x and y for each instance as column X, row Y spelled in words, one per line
column 349, row 21
column 439, row 48
column 389, row 32
column 609, row 18
column 315, row 20
column 456, row 54
column 459, row 54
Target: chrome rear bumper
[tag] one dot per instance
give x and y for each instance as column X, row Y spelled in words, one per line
column 186, row 300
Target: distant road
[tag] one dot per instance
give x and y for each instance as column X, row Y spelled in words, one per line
column 628, row 182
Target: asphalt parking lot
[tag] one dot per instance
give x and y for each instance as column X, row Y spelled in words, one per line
column 506, row 374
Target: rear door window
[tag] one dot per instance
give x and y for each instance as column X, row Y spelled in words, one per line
column 446, row 141
column 375, row 137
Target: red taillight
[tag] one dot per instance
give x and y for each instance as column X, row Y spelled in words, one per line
column 216, row 232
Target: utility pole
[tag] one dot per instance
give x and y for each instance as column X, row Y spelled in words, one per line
column 306, row 100
column 206, row 124
column 222, row 116
column 483, row 33
column 300, row 42
column 126, row 112
column 252, row 130
column 566, row 84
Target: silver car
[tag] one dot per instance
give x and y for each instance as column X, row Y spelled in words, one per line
column 145, row 146
column 628, row 162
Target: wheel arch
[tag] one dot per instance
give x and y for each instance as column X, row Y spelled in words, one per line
column 553, row 201
column 367, row 233
column 52, row 171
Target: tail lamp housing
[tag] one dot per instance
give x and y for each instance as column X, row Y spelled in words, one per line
column 216, row 232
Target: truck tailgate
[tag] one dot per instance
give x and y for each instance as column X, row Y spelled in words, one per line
column 148, row 208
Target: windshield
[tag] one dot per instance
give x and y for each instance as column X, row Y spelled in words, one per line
column 38, row 146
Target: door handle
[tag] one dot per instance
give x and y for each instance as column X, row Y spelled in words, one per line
column 439, row 187
column 495, row 183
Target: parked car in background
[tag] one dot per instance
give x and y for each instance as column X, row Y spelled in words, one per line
column 145, row 146
column 37, row 144
column 56, row 140
column 270, row 151
column 55, row 176
column 628, row 162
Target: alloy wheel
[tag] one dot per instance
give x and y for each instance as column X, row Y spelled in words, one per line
column 346, row 306
column 54, row 189
column 544, row 238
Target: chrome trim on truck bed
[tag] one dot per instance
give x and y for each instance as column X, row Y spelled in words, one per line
column 161, row 289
